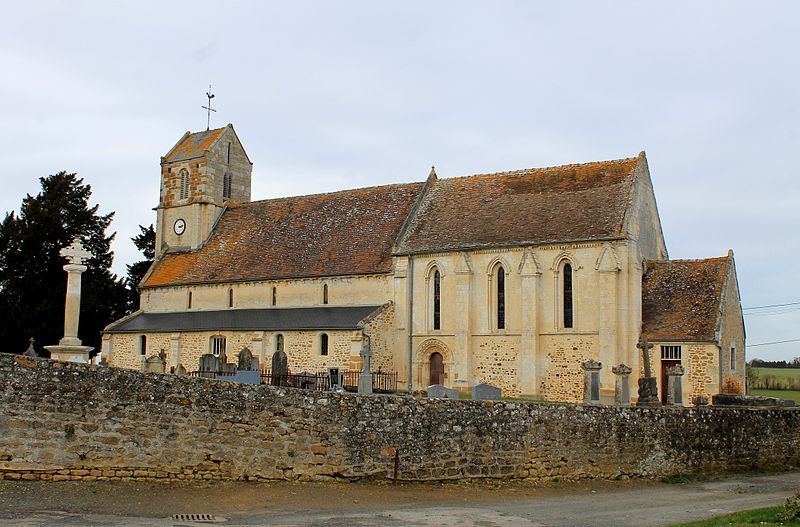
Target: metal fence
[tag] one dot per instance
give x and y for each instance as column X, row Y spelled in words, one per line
column 382, row 382
column 307, row 381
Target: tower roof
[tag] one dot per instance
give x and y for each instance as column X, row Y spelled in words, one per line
column 194, row 145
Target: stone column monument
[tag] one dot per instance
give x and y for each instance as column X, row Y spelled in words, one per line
column 365, row 379
column 591, row 381
column 622, row 388
column 674, row 385
column 69, row 348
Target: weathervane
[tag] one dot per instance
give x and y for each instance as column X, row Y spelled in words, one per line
column 209, row 108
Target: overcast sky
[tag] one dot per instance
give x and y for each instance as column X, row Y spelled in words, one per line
column 332, row 95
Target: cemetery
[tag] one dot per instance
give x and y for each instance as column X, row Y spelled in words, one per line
column 73, row 421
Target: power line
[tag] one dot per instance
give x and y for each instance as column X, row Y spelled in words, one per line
column 771, row 343
column 772, row 305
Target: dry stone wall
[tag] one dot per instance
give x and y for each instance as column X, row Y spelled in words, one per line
column 71, row 421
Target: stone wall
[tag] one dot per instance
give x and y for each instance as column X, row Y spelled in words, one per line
column 69, row 421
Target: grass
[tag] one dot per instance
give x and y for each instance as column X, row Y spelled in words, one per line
column 779, row 373
column 781, row 394
column 769, row 516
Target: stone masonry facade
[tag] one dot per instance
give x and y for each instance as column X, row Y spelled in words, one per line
column 66, row 421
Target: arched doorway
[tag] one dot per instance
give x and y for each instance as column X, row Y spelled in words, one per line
column 436, row 369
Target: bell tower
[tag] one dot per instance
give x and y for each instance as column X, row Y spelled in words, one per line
column 200, row 176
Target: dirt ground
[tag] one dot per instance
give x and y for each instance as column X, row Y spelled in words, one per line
column 371, row 504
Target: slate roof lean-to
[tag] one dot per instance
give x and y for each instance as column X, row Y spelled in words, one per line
column 681, row 299
column 272, row 319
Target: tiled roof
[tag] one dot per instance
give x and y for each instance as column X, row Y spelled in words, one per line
column 681, row 298
column 341, row 233
column 194, row 145
column 564, row 203
column 273, row 319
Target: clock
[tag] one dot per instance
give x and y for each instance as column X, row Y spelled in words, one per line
column 180, row 226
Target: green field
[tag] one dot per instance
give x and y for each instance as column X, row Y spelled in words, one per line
column 780, row 373
column 781, row 394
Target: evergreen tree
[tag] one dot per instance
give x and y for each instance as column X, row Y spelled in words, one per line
column 145, row 241
column 32, row 278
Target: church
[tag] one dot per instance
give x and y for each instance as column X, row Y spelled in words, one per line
column 512, row 279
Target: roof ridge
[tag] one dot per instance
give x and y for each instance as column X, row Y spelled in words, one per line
column 690, row 260
column 526, row 171
column 319, row 194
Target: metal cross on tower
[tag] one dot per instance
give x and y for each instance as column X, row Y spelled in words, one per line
column 209, row 108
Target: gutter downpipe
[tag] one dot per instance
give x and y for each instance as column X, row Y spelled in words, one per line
column 410, row 322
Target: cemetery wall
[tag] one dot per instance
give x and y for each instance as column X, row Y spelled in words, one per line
column 65, row 421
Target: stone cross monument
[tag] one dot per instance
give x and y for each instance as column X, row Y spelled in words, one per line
column 648, row 385
column 365, row 379
column 69, row 348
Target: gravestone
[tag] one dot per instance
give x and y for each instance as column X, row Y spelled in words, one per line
column 30, row 352
column 246, row 361
column 622, row 387
column 154, row 364
column 244, row 376
column 180, row 371
column 486, row 392
column 209, row 362
column 591, row 381
column 439, row 391
column 674, row 388
column 306, row 380
column 280, row 368
column 648, row 385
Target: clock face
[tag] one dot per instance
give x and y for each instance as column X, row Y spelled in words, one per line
column 180, row 226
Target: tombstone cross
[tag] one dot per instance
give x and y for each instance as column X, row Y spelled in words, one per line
column 75, row 253
column 645, row 347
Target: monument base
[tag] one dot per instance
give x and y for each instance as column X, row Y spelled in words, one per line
column 365, row 384
column 70, row 353
column 648, row 392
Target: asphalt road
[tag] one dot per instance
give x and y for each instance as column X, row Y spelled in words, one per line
column 486, row 504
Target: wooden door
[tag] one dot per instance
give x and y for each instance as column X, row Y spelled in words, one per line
column 664, row 365
column 437, row 369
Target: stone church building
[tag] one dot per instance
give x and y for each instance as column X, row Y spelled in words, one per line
column 512, row 278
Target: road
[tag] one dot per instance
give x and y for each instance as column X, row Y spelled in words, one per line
column 486, row 504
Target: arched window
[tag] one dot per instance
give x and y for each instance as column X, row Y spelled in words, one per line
column 501, row 297
column 230, row 297
column 190, row 300
column 226, row 186
column 279, row 342
column 437, row 300
column 323, row 344
column 567, row 289
column 274, row 296
column 218, row 346
column 142, row 345
column 325, row 294
column 184, row 191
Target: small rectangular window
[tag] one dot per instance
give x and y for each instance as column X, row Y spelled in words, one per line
column 733, row 358
column 142, row 345
column 218, row 346
column 274, row 296
column 670, row 353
